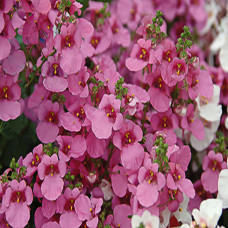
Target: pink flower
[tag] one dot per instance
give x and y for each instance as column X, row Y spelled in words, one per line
column 121, row 213
column 65, row 202
column 17, row 199
column 178, row 69
column 33, row 159
column 150, row 182
column 77, row 83
column 212, row 165
column 120, row 35
column 87, row 209
column 190, row 123
column 176, row 180
column 48, row 127
column 119, row 181
column 141, row 55
column 71, row 147
column 54, row 80
column 127, row 140
column 159, row 91
column 10, row 93
column 51, row 171
column 106, row 117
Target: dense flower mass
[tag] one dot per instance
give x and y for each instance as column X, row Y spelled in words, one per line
column 129, row 112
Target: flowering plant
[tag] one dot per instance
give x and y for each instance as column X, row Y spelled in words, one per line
column 127, row 112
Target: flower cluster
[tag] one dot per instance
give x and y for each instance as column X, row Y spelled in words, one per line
column 127, row 115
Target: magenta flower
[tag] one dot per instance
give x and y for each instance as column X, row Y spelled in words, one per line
column 200, row 82
column 15, row 62
column 51, row 171
column 212, row 165
column 39, row 95
column 95, row 147
column 10, row 93
column 17, row 199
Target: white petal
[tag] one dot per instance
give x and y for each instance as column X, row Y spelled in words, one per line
column 223, row 183
column 218, row 42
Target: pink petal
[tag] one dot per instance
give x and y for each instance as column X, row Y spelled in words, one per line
column 69, row 219
column 42, row 6
column 52, row 187
column 47, row 132
column 135, row 64
column 197, row 129
column 132, row 156
column 55, row 84
column 15, row 63
column 9, row 110
column 71, row 60
column 147, row 194
column 5, row 47
column 18, row 215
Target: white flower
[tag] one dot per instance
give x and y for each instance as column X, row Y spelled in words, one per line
column 222, row 187
column 209, row 109
column 210, row 130
column 148, row 220
column 182, row 214
column 212, row 9
column 209, row 213
column 226, row 120
column 221, row 43
column 164, row 216
column 106, row 189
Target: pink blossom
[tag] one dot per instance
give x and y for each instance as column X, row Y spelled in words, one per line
column 54, row 80
column 176, row 180
column 141, row 55
column 106, row 117
column 212, row 165
column 159, row 91
column 17, row 199
column 48, row 127
column 150, row 182
column 88, row 209
column 33, row 159
column 71, row 147
column 127, row 140
column 192, row 124
column 51, row 171
column 121, row 213
column 177, row 69
column 77, row 83
column 10, row 93
column 66, row 208
column 75, row 119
